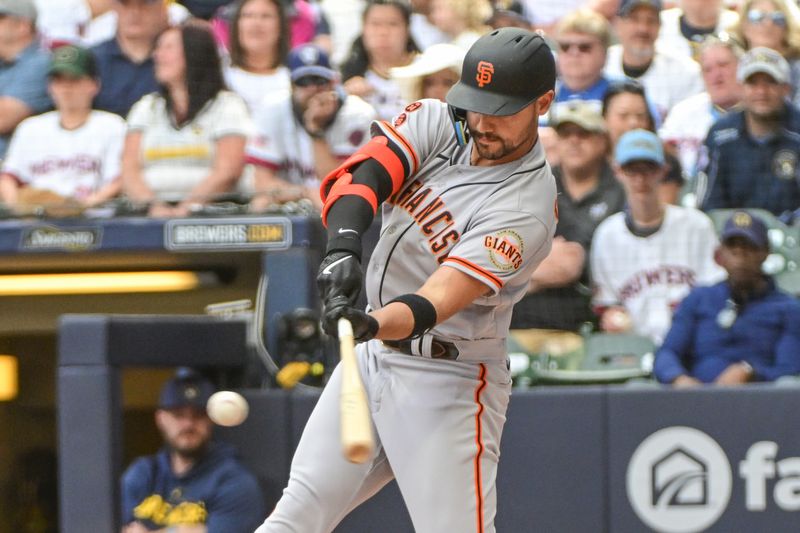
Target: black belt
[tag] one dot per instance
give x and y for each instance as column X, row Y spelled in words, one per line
column 439, row 349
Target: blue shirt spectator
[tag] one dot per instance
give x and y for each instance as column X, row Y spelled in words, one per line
column 194, row 481
column 217, row 491
column 750, row 157
column 742, row 329
column 123, row 81
column 125, row 63
column 23, row 68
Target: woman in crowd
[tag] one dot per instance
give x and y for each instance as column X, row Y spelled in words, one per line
column 463, row 21
column 625, row 108
column 385, row 42
column 774, row 24
column 431, row 74
column 259, row 42
column 185, row 143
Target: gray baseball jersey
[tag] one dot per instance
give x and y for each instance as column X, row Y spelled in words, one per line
column 437, row 422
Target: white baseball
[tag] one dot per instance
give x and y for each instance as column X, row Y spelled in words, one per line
column 621, row 320
column 227, row 408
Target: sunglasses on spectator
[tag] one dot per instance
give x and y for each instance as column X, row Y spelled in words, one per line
column 311, row 81
column 583, row 48
column 756, row 16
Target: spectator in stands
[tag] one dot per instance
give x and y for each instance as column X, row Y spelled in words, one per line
column 751, row 156
column 545, row 14
column 508, row 14
column 668, row 78
column 185, row 143
column 772, row 24
column 258, row 46
column 646, row 259
column 384, row 43
column 583, row 37
column 305, row 23
column 558, row 294
column 431, row 74
column 687, row 124
column 423, row 31
column 740, row 330
column 73, row 151
column 62, row 21
column 462, row 21
column 103, row 27
column 125, row 62
column 625, row 108
column 302, row 136
column 685, row 27
column 194, row 484
column 23, row 68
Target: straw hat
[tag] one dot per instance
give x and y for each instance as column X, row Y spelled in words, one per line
column 435, row 58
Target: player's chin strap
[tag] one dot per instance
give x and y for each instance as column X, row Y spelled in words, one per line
column 459, row 119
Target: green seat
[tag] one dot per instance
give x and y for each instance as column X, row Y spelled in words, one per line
column 608, row 358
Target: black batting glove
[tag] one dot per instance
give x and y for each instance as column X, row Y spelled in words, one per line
column 339, row 276
column 365, row 327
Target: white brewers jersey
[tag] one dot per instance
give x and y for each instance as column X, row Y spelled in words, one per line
column 493, row 223
column 649, row 276
column 387, row 98
column 686, row 128
column 256, row 88
column 281, row 143
column 72, row 163
column 175, row 160
column 670, row 78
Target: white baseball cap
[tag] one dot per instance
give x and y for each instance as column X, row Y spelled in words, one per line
column 766, row 60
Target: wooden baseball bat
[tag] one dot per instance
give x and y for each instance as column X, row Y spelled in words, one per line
column 356, row 428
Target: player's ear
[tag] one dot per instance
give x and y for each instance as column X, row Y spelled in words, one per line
column 544, row 102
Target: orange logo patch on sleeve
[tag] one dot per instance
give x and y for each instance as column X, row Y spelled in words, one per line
column 505, row 249
column 399, row 120
column 485, row 72
column 413, row 106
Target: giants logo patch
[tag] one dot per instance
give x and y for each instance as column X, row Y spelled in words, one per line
column 410, row 108
column 505, row 249
column 485, row 72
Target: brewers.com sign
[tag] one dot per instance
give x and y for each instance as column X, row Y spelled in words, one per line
column 228, row 234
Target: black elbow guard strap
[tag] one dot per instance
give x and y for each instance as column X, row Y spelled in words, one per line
column 423, row 311
column 340, row 181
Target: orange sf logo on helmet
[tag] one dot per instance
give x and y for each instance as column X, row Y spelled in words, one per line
column 485, row 71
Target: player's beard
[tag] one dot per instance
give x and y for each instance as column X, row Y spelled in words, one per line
column 498, row 148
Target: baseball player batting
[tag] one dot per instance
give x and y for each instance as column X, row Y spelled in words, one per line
column 467, row 203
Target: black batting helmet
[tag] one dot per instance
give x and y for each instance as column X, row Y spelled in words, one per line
column 504, row 71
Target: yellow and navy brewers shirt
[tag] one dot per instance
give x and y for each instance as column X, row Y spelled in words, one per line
column 218, row 492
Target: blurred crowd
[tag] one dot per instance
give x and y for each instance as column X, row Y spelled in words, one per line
column 663, row 110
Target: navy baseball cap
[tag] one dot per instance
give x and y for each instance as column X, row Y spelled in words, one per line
column 639, row 145
column 309, row 60
column 626, row 6
column 743, row 224
column 187, row 389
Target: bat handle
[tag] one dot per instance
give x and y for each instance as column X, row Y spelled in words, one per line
column 345, row 328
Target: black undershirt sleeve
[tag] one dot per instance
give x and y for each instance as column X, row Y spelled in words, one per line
column 350, row 216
